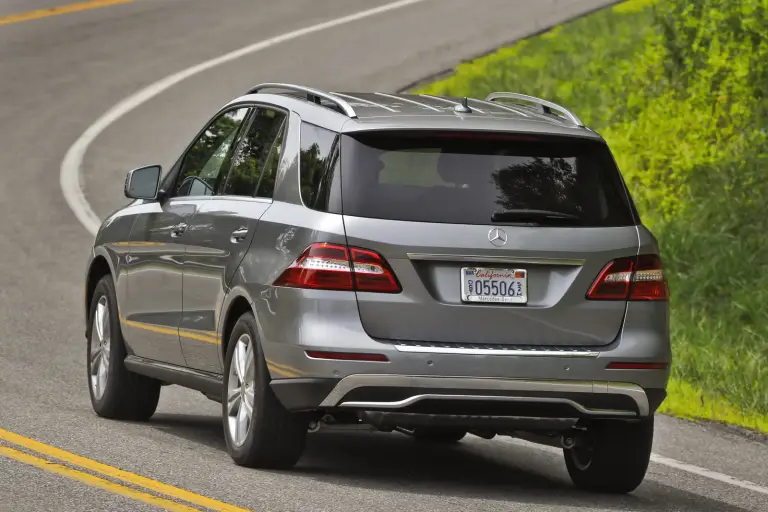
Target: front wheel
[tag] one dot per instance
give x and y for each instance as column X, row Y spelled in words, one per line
column 115, row 392
column 259, row 431
column 613, row 457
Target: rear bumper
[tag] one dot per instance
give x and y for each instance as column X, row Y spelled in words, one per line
column 456, row 378
column 431, row 398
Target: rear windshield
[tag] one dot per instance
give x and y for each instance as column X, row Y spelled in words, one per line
column 464, row 178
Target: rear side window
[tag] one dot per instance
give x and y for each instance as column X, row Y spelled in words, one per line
column 316, row 167
column 266, row 184
column 482, row 178
column 250, row 167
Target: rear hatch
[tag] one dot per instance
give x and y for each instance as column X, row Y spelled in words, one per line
column 494, row 238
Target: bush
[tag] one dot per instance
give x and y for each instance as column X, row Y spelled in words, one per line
column 677, row 88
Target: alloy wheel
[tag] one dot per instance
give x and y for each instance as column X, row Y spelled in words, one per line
column 240, row 390
column 100, row 348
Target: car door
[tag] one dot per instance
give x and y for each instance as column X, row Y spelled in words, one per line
column 221, row 233
column 153, row 305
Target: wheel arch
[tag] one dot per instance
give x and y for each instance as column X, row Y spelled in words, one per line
column 234, row 307
column 99, row 267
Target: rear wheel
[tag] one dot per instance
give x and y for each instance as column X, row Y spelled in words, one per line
column 434, row 435
column 258, row 430
column 115, row 392
column 613, row 458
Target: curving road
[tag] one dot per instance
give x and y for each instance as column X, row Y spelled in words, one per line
column 58, row 75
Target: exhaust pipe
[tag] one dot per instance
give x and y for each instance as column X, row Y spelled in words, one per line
column 567, row 442
column 314, row 426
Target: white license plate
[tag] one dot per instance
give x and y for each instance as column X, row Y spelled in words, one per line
column 494, row 285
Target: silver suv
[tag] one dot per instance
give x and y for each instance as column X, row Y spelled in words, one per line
column 428, row 265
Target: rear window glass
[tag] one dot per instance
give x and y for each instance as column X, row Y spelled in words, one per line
column 464, row 178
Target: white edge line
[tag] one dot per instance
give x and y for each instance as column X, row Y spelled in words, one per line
column 708, row 473
column 70, row 177
column 666, row 461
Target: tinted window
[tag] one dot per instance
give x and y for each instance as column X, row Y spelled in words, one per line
column 315, row 166
column 253, row 152
column 266, row 185
column 201, row 170
column 465, row 179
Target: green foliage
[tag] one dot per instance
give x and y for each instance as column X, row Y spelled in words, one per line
column 677, row 88
column 690, row 402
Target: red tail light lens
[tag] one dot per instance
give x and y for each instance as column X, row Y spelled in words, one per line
column 336, row 267
column 320, row 266
column 649, row 282
column 372, row 274
column 640, row 278
column 613, row 281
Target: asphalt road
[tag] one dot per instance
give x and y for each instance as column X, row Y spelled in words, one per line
column 58, row 74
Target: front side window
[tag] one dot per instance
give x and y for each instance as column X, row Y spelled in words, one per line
column 250, row 164
column 202, row 169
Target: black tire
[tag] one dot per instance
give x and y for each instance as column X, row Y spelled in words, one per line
column 276, row 437
column 126, row 395
column 434, row 435
column 614, row 459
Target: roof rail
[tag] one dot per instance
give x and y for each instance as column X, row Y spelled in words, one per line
column 313, row 95
column 544, row 105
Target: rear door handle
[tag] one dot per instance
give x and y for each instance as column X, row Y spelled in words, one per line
column 178, row 229
column 239, row 235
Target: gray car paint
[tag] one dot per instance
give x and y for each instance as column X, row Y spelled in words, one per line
column 152, row 309
column 211, row 259
column 291, row 320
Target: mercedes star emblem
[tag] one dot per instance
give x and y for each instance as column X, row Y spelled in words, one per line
column 497, row 237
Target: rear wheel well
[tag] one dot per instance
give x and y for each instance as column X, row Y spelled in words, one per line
column 99, row 268
column 239, row 306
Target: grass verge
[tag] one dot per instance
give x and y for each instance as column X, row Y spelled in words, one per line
column 676, row 88
column 686, row 401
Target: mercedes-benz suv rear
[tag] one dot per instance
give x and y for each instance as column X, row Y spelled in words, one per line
column 503, row 283
column 412, row 263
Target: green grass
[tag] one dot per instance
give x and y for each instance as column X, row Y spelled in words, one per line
column 676, row 87
column 686, row 401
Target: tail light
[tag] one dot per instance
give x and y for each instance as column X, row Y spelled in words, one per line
column 337, row 267
column 640, row 278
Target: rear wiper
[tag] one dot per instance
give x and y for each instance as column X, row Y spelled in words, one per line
column 536, row 216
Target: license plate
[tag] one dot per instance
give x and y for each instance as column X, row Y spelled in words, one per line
column 508, row 286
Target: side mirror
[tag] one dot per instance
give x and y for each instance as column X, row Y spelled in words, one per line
column 142, row 183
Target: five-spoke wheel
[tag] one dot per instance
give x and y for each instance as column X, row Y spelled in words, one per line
column 258, row 430
column 240, row 390
column 100, row 348
column 115, row 392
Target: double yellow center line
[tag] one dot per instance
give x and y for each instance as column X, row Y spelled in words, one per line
column 108, row 478
column 56, row 11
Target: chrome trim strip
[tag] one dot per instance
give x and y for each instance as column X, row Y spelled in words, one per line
column 445, row 100
column 355, row 98
column 351, row 382
column 495, row 352
column 540, row 102
column 407, row 100
column 250, row 199
column 345, row 106
column 529, row 399
column 494, row 259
